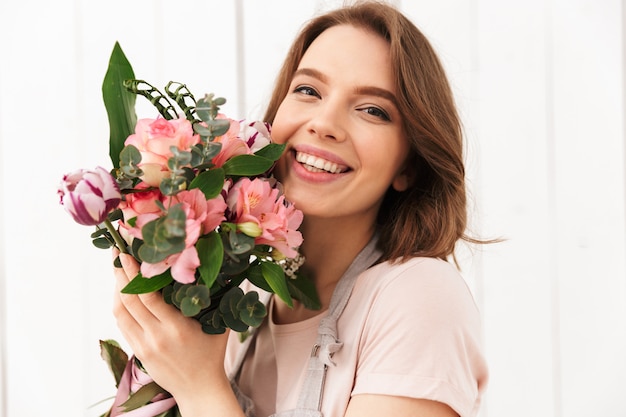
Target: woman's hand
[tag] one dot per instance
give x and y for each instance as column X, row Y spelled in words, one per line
column 174, row 350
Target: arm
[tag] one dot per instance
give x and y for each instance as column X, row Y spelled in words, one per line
column 366, row 405
column 176, row 353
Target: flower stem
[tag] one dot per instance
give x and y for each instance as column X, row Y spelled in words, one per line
column 121, row 245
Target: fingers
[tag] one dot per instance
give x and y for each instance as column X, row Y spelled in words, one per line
column 130, row 265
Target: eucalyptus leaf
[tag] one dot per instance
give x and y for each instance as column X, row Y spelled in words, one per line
column 239, row 243
column 172, row 185
column 211, row 253
column 189, row 308
column 211, row 150
column 164, row 236
column 209, row 182
column 251, row 310
column 100, row 231
column 119, row 103
column 273, row 151
column 247, row 165
column 197, row 297
column 212, row 322
column 142, row 285
column 230, row 312
column 275, row 277
column 102, row 243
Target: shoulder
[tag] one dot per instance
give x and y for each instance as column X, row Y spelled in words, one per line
column 420, row 334
column 417, row 281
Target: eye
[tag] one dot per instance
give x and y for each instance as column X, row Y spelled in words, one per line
column 376, row 112
column 306, row 90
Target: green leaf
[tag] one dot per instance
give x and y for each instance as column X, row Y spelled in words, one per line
column 209, row 182
column 197, row 297
column 141, row 285
column 130, row 157
column 213, row 128
column 247, row 165
column 273, row 151
column 251, row 310
column 102, row 243
column 164, row 236
column 119, row 103
column 255, row 276
column 143, row 396
column 275, row 277
column 239, row 243
column 229, row 310
column 115, row 357
column 211, row 253
column 303, row 290
column 212, row 322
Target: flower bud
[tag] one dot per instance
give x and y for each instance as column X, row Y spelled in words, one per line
column 89, row 196
column 250, row 228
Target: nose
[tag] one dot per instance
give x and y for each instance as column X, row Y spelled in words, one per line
column 328, row 121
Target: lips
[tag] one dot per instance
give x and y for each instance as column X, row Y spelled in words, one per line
column 317, row 164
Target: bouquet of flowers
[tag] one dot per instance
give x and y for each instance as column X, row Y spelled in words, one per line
column 195, row 204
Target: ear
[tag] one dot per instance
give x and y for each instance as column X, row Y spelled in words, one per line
column 401, row 182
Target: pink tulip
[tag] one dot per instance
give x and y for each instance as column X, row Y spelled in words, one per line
column 132, row 380
column 89, row 196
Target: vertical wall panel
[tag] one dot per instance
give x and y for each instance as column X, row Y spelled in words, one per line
column 514, row 198
column 38, row 101
column 589, row 166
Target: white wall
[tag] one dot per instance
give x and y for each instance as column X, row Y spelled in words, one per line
column 540, row 84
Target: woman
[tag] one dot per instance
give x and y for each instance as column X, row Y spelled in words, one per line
column 374, row 160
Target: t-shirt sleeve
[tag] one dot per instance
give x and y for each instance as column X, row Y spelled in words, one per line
column 422, row 338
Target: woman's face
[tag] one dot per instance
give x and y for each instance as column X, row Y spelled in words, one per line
column 343, row 130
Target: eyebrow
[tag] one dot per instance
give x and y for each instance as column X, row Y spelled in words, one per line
column 361, row 90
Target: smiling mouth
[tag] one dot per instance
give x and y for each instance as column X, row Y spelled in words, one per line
column 315, row 164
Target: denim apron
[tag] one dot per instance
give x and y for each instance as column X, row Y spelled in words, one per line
column 327, row 343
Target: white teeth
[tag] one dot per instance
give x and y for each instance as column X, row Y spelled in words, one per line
column 315, row 164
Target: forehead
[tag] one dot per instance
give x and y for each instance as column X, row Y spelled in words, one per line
column 352, row 54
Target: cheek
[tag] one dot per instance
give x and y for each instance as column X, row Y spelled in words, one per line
column 281, row 126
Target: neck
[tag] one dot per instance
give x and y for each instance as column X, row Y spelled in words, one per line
column 330, row 246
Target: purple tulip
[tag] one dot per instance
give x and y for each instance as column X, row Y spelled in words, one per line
column 89, row 196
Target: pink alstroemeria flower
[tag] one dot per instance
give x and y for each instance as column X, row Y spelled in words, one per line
column 154, row 138
column 132, row 380
column 202, row 216
column 89, row 196
column 242, row 138
column 256, row 201
column 143, row 201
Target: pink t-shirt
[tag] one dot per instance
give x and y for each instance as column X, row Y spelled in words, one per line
column 410, row 329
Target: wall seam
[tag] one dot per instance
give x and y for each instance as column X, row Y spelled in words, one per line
column 3, row 278
column 241, row 105
column 551, row 180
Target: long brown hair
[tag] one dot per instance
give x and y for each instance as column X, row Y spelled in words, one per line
column 430, row 217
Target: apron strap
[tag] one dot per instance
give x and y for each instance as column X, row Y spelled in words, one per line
column 328, row 343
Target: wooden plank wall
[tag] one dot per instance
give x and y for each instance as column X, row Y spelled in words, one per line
column 540, row 84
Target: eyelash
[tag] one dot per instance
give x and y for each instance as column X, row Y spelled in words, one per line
column 306, row 90
column 379, row 113
column 372, row 111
